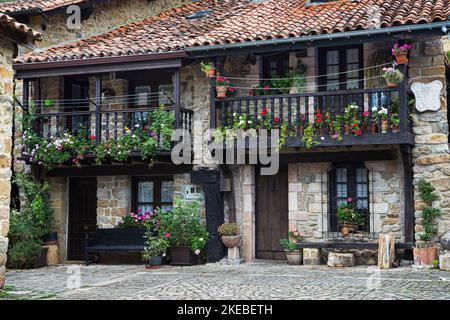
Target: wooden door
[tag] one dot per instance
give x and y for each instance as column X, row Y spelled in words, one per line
column 271, row 214
column 82, row 215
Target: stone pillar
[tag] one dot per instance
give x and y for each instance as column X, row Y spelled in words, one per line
column 431, row 157
column 6, row 112
column 248, row 217
column 59, row 204
column 113, row 200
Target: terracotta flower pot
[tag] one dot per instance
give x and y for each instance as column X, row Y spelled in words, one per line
column 348, row 228
column 384, row 126
column 425, row 256
column 401, row 58
column 231, row 241
column 391, row 84
column 211, row 72
column 347, row 129
column 221, row 92
column 294, row 257
column 395, row 128
column 374, row 128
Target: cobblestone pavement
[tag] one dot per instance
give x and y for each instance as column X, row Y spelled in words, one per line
column 259, row 280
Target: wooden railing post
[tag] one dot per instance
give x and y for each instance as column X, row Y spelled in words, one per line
column 98, row 102
column 212, row 100
column 177, row 92
column 403, row 103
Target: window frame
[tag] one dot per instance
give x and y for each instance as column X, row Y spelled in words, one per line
column 352, row 191
column 279, row 58
column 322, row 54
column 154, row 84
column 157, row 185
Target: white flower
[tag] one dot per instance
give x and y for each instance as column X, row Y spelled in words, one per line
column 164, row 254
column 374, row 109
column 200, row 239
column 197, row 252
column 383, row 110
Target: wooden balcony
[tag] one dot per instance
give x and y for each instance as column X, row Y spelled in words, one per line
column 296, row 111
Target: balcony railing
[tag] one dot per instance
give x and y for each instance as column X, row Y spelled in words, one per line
column 102, row 125
column 297, row 111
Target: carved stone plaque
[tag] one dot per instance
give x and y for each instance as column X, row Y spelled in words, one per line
column 428, row 95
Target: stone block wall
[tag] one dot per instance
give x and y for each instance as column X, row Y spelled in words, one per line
column 113, row 200
column 6, row 119
column 431, row 154
column 59, row 202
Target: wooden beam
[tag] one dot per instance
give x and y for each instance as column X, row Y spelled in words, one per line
column 98, row 102
column 408, row 193
column 177, row 93
column 339, row 156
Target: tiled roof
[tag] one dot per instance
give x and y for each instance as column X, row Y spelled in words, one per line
column 11, row 24
column 234, row 21
column 35, row 5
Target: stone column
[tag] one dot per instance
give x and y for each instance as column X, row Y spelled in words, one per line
column 248, row 217
column 431, row 155
column 6, row 91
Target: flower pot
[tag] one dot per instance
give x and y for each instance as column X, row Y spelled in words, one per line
column 391, row 84
column 221, row 92
column 301, row 131
column 211, row 72
column 384, row 126
column 374, row 128
column 346, row 129
column 183, row 256
column 395, row 128
column 348, row 228
column 41, row 260
column 154, row 263
column 321, row 132
column 231, row 241
column 294, row 257
column 366, row 129
column 401, row 58
column 425, row 256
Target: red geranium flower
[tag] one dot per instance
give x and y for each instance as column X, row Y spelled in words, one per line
column 92, row 137
column 167, row 235
column 264, row 112
column 358, row 132
column 276, row 119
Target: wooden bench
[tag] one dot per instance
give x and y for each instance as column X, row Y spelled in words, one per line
column 114, row 241
column 343, row 245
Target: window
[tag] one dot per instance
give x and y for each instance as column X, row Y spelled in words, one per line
column 151, row 193
column 275, row 66
column 348, row 181
column 340, row 68
column 152, row 92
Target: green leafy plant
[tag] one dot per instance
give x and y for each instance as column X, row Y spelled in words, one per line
column 309, row 137
column 228, row 229
column 206, row 67
column 428, row 195
column 154, row 246
column 393, row 75
column 347, row 213
column 29, row 222
column 287, row 245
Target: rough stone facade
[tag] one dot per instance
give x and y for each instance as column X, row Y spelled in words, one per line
column 431, row 153
column 113, row 200
column 6, row 91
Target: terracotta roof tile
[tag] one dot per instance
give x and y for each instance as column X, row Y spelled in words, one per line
column 12, row 24
column 234, row 21
column 35, row 5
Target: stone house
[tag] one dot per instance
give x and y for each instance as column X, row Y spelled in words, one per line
column 12, row 34
column 335, row 49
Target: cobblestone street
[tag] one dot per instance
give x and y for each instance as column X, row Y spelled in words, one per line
column 259, row 280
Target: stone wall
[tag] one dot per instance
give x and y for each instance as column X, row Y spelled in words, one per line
column 6, row 91
column 59, row 203
column 431, row 153
column 113, row 200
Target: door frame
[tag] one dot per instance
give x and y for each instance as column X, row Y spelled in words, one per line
column 256, row 236
column 69, row 211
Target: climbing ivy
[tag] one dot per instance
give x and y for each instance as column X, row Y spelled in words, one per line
column 428, row 195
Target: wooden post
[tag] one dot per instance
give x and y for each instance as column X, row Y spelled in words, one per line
column 26, row 95
column 386, row 251
column 98, row 102
column 212, row 99
column 408, row 193
column 177, row 92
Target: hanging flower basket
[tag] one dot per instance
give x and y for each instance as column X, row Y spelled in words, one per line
column 391, row 84
column 402, row 58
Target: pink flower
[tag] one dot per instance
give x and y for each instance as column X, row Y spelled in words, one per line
column 349, row 199
column 366, row 113
column 266, row 88
column 167, row 235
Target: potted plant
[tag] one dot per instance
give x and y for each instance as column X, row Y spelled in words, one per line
column 294, row 256
column 208, row 69
column 337, row 130
column 384, row 120
column 365, row 121
column 393, row 77
column 302, row 123
column 401, row 53
column 222, row 86
column 395, row 123
column 186, row 234
column 318, row 121
column 298, row 83
column 155, row 250
column 350, row 114
column 374, row 126
column 230, row 234
column 349, row 217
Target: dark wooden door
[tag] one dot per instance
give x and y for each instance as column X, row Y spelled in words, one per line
column 271, row 214
column 82, row 215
